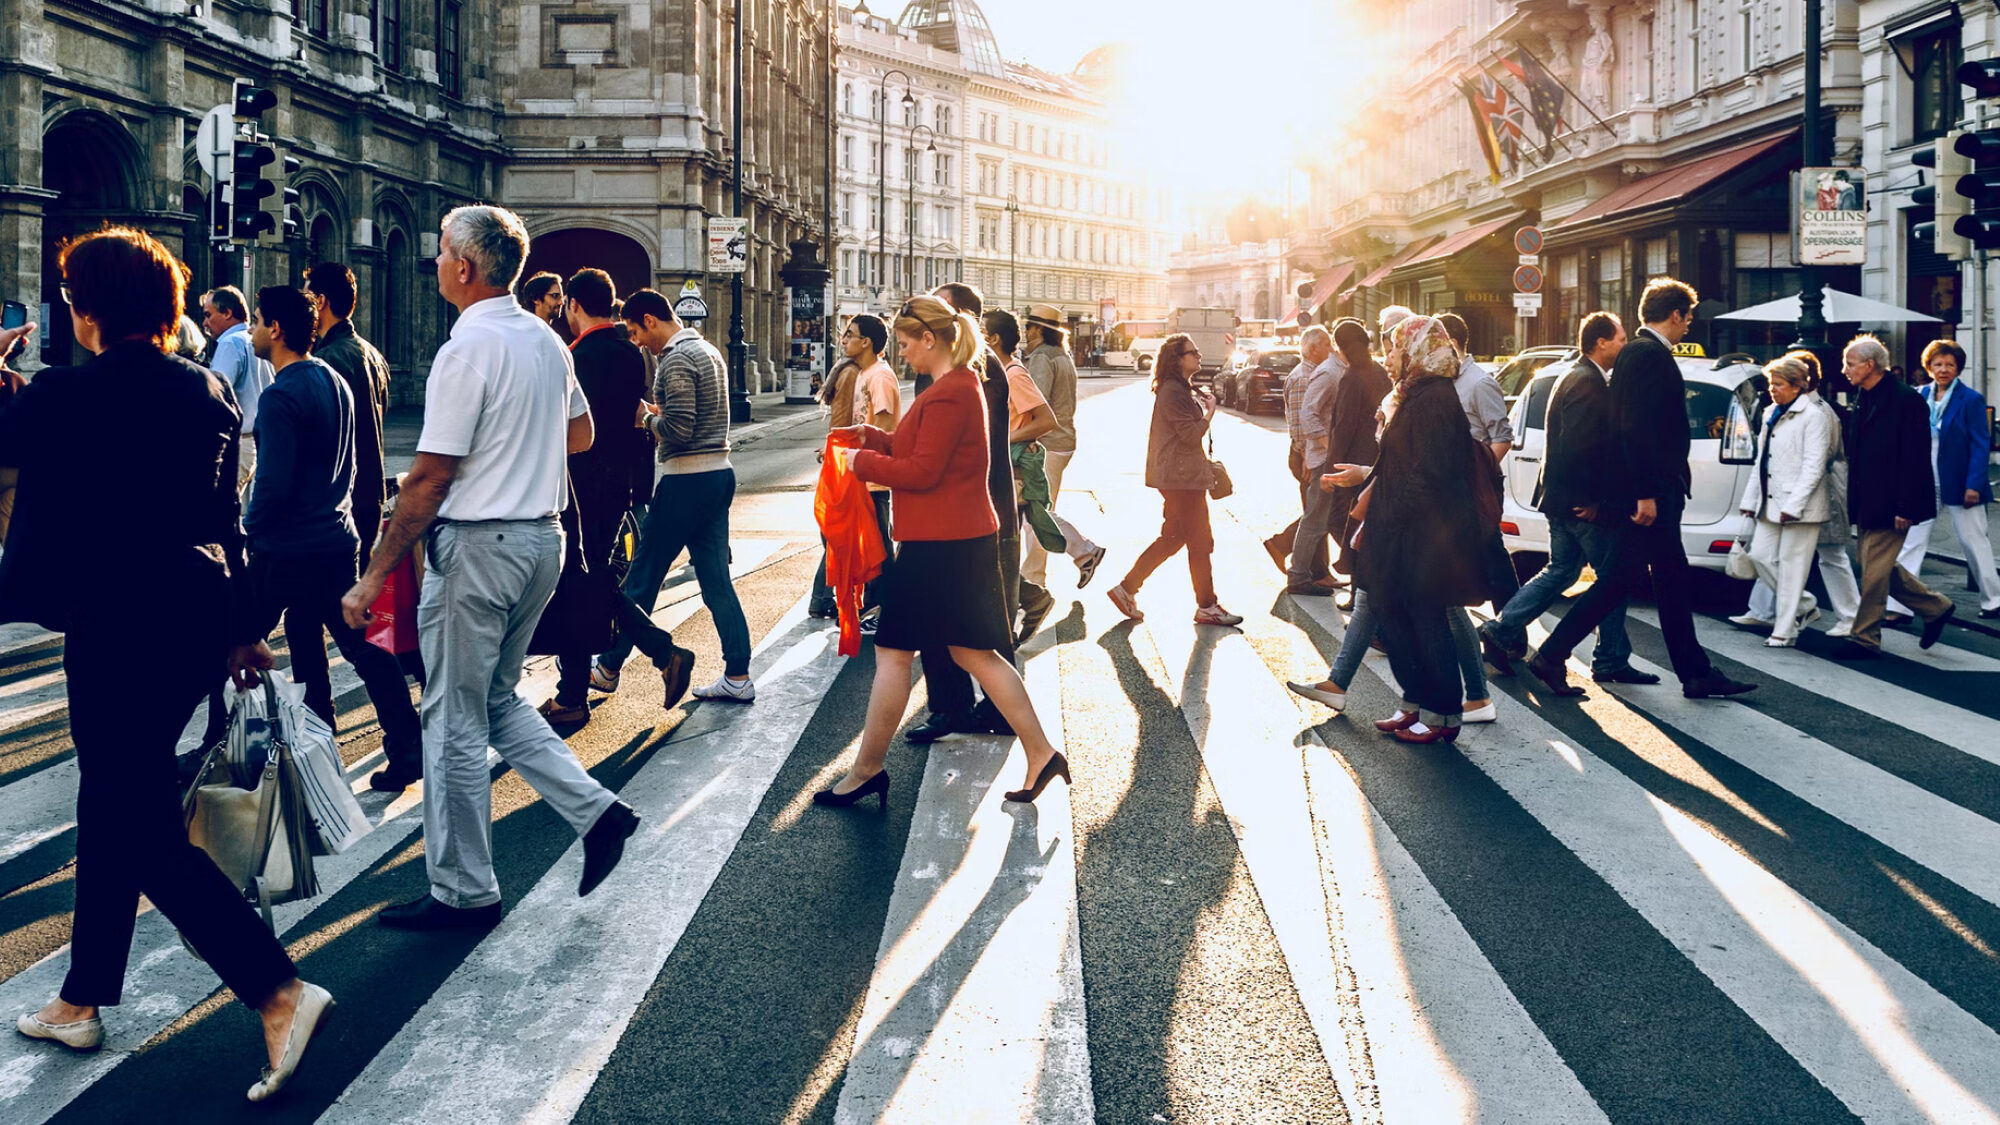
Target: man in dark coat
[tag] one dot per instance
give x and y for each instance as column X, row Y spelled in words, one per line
column 340, row 347
column 1889, row 488
column 1648, row 401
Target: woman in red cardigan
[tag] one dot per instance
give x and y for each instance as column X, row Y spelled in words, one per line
column 945, row 585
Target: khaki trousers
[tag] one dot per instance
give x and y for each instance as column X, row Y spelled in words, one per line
column 1882, row 575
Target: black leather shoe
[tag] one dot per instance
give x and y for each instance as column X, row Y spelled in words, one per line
column 1989, row 614
column 1934, row 628
column 427, row 913
column 1715, row 685
column 1495, row 652
column 1625, row 675
column 937, row 726
column 1855, row 650
column 988, row 720
column 393, row 779
column 1554, row 676
column 604, row 844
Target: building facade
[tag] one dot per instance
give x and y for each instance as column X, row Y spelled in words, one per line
column 996, row 173
column 605, row 125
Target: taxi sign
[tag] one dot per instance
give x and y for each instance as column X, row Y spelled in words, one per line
column 1689, row 351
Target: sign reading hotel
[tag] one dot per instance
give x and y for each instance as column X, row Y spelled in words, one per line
column 1830, row 217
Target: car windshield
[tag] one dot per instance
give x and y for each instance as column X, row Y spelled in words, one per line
column 1516, row 374
column 1276, row 360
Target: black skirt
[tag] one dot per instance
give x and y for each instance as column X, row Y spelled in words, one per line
column 944, row 592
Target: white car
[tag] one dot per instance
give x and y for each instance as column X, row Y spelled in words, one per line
column 1725, row 400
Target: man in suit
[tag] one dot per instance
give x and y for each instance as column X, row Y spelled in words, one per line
column 1649, row 434
column 1577, row 495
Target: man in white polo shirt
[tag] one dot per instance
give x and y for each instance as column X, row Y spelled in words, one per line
column 502, row 410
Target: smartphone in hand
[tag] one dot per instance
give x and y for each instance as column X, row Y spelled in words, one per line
column 14, row 316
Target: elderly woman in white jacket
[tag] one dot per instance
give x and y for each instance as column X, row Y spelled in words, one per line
column 1787, row 494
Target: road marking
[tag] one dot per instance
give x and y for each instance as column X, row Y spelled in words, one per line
column 520, row 1029
column 975, row 1010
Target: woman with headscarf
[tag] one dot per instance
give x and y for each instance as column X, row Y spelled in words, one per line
column 1426, row 512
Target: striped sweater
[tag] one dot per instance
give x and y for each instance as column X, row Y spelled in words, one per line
column 691, row 386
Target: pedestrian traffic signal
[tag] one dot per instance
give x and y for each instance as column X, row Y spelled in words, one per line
column 1947, row 167
column 282, row 204
column 1982, row 186
column 1983, row 76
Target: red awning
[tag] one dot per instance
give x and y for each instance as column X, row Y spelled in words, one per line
column 1673, row 184
column 1404, row 255
column 1453, row 243
column 1325, row 285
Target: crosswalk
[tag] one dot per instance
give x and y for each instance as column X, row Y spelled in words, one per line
column 1636, row 907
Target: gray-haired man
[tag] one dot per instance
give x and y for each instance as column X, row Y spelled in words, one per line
column 502, row 410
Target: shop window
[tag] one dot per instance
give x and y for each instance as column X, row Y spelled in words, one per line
column 1932, row 60
column 1656, row 257
column 1764, row 269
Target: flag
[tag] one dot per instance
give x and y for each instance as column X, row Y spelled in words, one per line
column 1482, row 127
column 1545, row 95
column 1503, row 116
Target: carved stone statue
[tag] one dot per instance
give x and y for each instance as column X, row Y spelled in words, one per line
column 1594, row 83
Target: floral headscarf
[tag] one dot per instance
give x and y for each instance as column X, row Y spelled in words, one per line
column 1419, row 345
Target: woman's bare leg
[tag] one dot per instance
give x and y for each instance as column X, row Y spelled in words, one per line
column 1002, row 684
column 887, row 698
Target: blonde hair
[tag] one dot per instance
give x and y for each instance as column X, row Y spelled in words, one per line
column 958, row 331
column 1792, row 370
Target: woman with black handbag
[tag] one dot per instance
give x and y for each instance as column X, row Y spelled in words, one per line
column 1429, row 507
column 1180, row 469
column 179, row 550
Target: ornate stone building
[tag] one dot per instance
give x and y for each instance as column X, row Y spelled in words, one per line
column 605, row 124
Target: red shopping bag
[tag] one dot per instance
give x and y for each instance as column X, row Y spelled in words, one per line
column 392, row 622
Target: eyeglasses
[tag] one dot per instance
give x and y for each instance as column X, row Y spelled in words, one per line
column 64, row 290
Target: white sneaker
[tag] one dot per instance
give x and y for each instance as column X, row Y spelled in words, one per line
column 1751, row 621
column 1334, row 699
column 1844, row 628
column 1810, row 615
column 1126, row 603
column 77, row 1035
column 1216, row 615
column 1485, row 714
column 726, row 690
column 601, row 680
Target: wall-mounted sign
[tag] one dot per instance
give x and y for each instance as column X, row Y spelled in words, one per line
column 1829, row 217
column 728, row 244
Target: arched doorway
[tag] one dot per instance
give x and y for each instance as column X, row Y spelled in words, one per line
column 564, row 252
column 89, row 162
column 393, row 282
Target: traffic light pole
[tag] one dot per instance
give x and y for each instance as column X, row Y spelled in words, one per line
column 739, row 352
column 1812, row 322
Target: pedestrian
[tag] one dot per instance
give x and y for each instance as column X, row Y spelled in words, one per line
column 226, row 316
column 1308, row 574
column 1961, row 444
column 1054, row 372
column 332, row 289
column 181, row 548
column 1029, row 419
column 1479, row 393
column 836, row 395
column 1179, row 469
column 1432, row 500
column 11, row 385
column 1578, row 496
column 953, row 706
column 1891, row 488
column 1485, row 406
column 1648, row 403
column 501, row 410
column 688, row 415
column 1315, row 344
column 189, row 342
column 611, row 371
column 1787, row 495
column 877, row 401
column 300, row 531
column 946, row 587
column 1836, row 568
column 543, row 295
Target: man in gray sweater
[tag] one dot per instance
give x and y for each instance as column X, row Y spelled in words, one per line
column 689, row 417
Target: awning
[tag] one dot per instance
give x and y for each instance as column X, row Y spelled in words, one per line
column 1678, row 183
column 1838, row 308
column 1453, row 243
column 1326, row 283
column 1404, row 255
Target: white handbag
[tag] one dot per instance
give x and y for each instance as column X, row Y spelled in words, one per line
column 1739, row 564
column 332, row 814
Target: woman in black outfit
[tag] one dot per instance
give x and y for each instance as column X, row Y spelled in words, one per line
column 1428, row 508
column 180, row 548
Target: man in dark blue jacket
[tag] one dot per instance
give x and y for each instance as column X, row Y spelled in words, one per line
column 300, row 529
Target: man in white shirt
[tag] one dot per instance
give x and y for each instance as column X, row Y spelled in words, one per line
column 226, row 315
column 1315, row 344
column 502, row 410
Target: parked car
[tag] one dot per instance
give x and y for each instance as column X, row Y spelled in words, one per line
column 1725, row 401
column 1260, row 383
column 1519, row 369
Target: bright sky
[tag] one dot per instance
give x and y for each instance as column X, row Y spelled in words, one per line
column 1220, row 93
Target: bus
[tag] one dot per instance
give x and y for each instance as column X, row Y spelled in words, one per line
column 1132, row 344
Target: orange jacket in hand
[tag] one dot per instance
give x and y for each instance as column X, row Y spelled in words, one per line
column 854, row 548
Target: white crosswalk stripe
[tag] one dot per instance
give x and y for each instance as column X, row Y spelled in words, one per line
column 982, row 998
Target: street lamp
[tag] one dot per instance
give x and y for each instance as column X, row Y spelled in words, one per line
column 912, row 172
column 1812, row 322
column 882, row 177
column 1013, row 240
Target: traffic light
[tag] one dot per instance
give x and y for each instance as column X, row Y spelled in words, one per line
column 1982, row 147
column 1983, row 75
column 282, row 205
column 248, row 190
column 1947, row 166
column 252, row 101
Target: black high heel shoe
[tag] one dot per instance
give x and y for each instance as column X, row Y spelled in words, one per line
column 878, row 785
column 1056, row 765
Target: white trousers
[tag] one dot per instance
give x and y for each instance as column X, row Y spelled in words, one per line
column 1974, row 538
column 1836, row 569
column 1783, row 555
column 1035, row 563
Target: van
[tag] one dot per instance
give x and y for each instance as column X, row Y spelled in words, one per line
column 1725, row 400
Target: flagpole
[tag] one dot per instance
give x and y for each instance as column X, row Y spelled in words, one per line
column 1557, row 137
column 1572, row 93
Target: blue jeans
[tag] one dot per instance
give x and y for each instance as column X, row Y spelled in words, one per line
column 689, row 511
column 1571, row 542
column 1354, row 643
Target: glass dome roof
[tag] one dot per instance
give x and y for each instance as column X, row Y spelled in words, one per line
column 958, row 26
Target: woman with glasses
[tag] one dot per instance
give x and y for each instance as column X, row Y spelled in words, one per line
column 944, row 589
column 1178, row 468
column 181, row 549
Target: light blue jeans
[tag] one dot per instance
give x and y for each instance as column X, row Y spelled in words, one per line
column 1571, row 542
column 1361, row 627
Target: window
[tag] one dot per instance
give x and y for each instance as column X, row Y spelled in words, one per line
column 875, row 97
column 1745, row 47
column 875, row 160
column 847, row 154
column 910, row 165
column 1656, row 257
column 847, row 98
column 847, row 208
column 847, row 267
column 1934, row 104
column 910, row 112
column 311, row 15
column 943, row 118
column 389, row 34
column 1691, row 49
column 944, row 169
column 449, row 76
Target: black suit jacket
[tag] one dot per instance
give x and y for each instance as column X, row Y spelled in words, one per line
column 611, row 370
column 1649, row 419
column 1580, row 465
column 367, row 376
